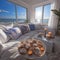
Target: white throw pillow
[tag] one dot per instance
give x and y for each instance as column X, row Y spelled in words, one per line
column 38, row 26
column 6, row 27
column 3, row 36
column 14, row 33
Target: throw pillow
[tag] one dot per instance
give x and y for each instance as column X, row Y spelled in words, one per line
column 14, row 33
column 32, row 27
column 24, row 29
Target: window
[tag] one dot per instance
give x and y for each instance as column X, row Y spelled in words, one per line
column 46, row 14
column 10, row 12
column 7, row 11
column 38, row 14
column 42, row 14
column 21, row 14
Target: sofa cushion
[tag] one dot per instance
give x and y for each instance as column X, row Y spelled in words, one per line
column 14, row 33
column 32, row 27
column 38, row 26
column 6, row 27
column 24, row 29
column 3, row 36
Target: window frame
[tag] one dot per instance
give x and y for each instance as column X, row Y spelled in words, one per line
column 17, row 15
column 15, row 4
column 43, row 12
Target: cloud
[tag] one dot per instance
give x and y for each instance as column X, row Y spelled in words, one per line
column 4, row 11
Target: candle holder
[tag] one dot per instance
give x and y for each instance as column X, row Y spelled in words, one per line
column 45, row 32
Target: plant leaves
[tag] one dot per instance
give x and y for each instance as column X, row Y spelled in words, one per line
column 57, row 12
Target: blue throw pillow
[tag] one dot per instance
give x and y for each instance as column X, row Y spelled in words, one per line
column 32, row 27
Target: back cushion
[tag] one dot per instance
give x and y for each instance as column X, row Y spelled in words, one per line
column 24, row 29
column 38, row 26
column 3, row 36
column 32, row 27
column 14, row 33
column 6, row 27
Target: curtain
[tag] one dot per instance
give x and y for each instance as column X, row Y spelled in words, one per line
column 53, row 18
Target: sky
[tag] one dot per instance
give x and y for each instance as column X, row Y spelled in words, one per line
column 46, row 14
column 7, row 10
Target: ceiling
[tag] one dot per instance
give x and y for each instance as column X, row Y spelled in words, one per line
column 32, row 2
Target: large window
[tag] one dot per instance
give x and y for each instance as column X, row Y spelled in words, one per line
column 46, row 14
column 42, row 14
column 21, row 14
column 10, row 12
column 38, row 14
column 7, row 11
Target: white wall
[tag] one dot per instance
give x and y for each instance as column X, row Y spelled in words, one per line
column 19, row 3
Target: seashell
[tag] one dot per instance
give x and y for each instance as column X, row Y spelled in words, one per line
column 35, row 45
column 27, row 46
column 22, row 51
column 37, row 51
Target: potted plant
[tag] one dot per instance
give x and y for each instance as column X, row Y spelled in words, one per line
column 57, row 12
column 26, row 21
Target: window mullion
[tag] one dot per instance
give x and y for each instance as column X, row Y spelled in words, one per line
column 16, row 13
column 42, row 13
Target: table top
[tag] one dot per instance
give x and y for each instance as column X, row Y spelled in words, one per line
column 17, row 55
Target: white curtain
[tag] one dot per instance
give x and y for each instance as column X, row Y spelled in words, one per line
column 53, row 18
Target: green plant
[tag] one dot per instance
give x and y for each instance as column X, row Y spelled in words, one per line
column 57, row 12
column 26, row 21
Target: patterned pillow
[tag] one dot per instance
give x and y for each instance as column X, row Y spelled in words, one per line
column 32, row 27
column 24, row 29
column 14, row 33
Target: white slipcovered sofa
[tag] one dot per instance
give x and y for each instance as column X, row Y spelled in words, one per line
column 7, row 45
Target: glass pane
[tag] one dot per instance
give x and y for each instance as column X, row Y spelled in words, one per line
column 7, row 11
column 21, row 14
column 46, row 14
column 38, row 14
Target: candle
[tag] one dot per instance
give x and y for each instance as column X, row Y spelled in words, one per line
column 45, row 29
column 50, row 33
column 48, row 36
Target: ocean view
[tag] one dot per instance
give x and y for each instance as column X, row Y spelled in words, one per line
column 20, row 20
column 12, row 20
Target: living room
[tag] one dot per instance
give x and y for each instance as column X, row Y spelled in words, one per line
column 26, row 22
